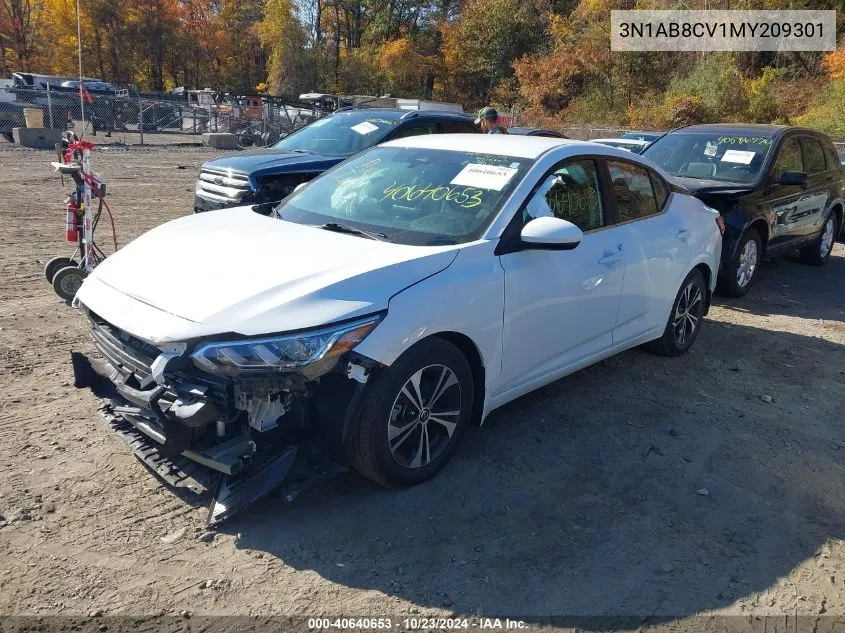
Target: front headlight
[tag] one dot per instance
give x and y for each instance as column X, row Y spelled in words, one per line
column 283, row 353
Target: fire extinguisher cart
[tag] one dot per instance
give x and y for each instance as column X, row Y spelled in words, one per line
column 66, row 274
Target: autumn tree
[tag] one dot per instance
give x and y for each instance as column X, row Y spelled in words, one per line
column 22, row 34
column 406, row 70
column 479, row 49
column 290, row 62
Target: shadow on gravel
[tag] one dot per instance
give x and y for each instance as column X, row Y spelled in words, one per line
column 642, row 486
column 788, row 287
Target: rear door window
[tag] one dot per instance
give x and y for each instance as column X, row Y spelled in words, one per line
column 813, row 155
column 661, row 191
column 633, row 190
column 458, row 127
column 416, row 129
column 831, row 158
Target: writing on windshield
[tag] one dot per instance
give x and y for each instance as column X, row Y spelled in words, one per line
column 729, row 158
column 410, row 195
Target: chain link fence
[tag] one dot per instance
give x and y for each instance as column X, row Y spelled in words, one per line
column 154, row 118
column 133, row 118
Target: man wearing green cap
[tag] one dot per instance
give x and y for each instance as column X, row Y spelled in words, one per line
column 488, row 120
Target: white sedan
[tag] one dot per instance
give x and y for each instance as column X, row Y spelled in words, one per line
column 396, row 299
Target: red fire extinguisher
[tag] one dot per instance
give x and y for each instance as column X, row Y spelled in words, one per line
column 72, row 219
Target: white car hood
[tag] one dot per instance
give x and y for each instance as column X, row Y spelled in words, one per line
column 237, row 271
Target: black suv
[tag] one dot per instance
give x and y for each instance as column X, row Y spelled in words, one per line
column 263, row 177
column 778, row 189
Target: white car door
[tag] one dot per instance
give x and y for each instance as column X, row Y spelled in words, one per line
column 656, row 249
column 561, row 305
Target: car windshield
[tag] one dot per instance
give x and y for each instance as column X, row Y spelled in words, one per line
column 724, row 157
column 341, row 134
column 422, row 197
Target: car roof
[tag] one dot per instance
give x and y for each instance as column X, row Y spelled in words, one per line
column 398, row 113
column 533, row 131
column 623, row 141
column 758, row 129
column 517, row 145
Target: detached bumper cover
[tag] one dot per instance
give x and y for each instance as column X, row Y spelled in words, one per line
column 294, row 468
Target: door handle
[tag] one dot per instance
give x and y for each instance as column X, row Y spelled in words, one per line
column 610, row 259
column 683, row 235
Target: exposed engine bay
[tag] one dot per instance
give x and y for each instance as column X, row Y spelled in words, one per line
column 236, row 438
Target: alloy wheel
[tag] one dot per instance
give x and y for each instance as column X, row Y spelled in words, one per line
column 424, row 416
column 826, row 242
column 747, row 264
column 688, row 313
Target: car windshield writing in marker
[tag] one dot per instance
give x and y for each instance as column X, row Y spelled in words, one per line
column 413, row 197
column 729, row 158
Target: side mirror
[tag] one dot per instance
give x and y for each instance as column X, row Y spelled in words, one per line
column 551, row 234
column 299, row 186
column 793, row 178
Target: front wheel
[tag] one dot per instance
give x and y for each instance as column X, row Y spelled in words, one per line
column 414, row 415
column 819, row 251
column 685, row 319
column 739, row 271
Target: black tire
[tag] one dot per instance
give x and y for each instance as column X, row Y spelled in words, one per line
column 684, row 321
column 9, row 137
column 56, row 264
column 386, row 403
column 817, row 253
column 731, row 282
column 67, row 281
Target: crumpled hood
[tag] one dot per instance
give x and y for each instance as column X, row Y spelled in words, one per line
column 717, row 187
column 277, row 160
column 237, row 271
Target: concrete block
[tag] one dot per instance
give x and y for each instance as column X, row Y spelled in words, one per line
column 220, row 140
column 37, row 137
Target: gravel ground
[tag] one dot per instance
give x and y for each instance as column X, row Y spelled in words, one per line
column 710, row 483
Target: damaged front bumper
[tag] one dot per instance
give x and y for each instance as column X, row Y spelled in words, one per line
column 234, row 440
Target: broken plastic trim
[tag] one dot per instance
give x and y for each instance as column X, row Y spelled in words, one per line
column 235, row 494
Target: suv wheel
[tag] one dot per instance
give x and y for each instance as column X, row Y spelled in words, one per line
column 819, row 251
column 740, row 271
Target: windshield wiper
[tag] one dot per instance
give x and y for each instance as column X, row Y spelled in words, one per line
column 345, row 228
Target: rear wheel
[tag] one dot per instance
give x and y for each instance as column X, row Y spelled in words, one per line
column 739, row 273
column 56, row 264
column 685, row 319
column 66, row 282
column 819, row 251
column 414, row 415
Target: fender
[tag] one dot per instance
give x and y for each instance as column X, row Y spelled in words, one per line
column 737, row 223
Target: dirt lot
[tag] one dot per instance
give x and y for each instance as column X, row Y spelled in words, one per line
column 641, row 486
